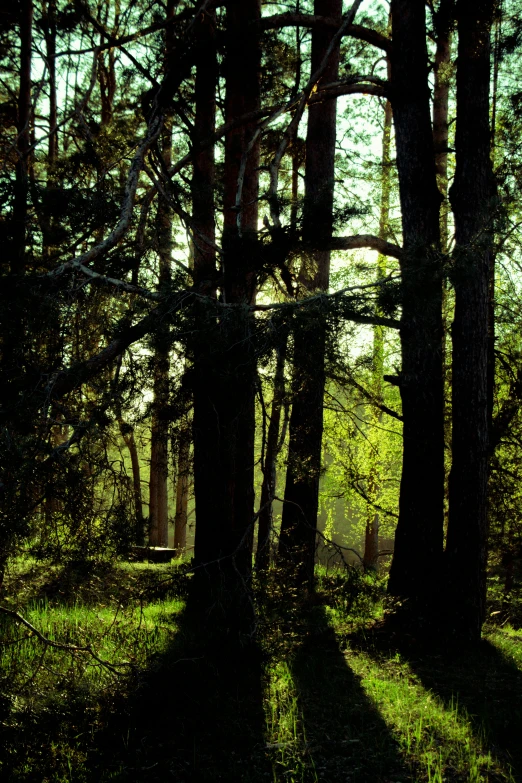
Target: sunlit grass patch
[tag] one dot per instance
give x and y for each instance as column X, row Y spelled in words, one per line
column 122, row 636
column 53, row 701
column 509, row 641
column 285, row 734
column 437, row 740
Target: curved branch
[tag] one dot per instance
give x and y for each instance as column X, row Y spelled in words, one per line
column 336, row 91
column 63, row 382
column 309, row 20
column 126, row 211
column 360, row 241
column 73, row 648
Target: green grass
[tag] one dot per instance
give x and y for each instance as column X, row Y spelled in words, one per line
column 181, row 701
column 285, row 732
column 438, row 740
column 63, row 694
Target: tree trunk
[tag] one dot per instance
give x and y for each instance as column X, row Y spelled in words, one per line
column 273, row 446
column 444, row 18
column 50, row 45
column 473, row 201
column 158, row 498
column 182, row 491
column 159, row 439
column 23, row 140
column 371, row 537
column 299, row 521
column 416, row 566
column 224, row 379
column 127, row 433
column 205, row 425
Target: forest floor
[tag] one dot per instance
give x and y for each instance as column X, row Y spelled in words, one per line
column 317, row 697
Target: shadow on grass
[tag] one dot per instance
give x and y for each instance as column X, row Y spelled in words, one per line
column 347, row 738
column 482, row 683
column 196, row 715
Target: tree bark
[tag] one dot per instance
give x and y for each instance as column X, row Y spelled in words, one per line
column 23, row 140
column 127, row 433
column 159, row 438
column 299, row 521
column 416, row 566
column 182, row 491
column 371, row 537
column 224, row 392
column 273, row 445
column 473, row 200
column 443, row 19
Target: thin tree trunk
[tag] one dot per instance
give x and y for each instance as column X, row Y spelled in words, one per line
column 371, row 538
column 50, row 45
column 491, row 314
column 444, row 19
column 273, row 445
column 299, row 521
column 416, row 566
column 205, row 424
column 23, row 140
column 127, row 433
column 473, row 201
column 182, row 491
column 158, row 485
column 158, row 497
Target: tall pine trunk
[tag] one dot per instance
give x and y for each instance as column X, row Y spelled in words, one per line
column 224, row 381
column 182, row 489
column 159, row 436
column 23, row 140
column 205, row 425
column 371, row 534
column 473, row 201
column 299, row 521
column 444, row 19
column 416, row 566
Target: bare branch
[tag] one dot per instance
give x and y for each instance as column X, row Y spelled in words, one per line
column 335, row 91
column 359, row 241
column 63, row 382
column 350, row 381
column 127, row 209
column 115, row 43
column 73, row 648
column 309, row 20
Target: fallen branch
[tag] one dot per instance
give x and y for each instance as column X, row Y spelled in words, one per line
column 72, row 648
